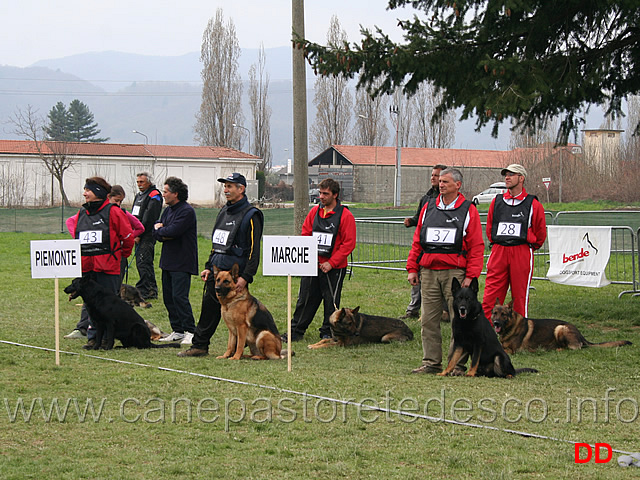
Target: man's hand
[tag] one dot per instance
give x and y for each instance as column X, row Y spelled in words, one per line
column 407, row 222
column 136, row 240
column 204, row 275
column 466, row 283
column 413, row 278
column 241, row 283
column 326, row 267
column 158, row 225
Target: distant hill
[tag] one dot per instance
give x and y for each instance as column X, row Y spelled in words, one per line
column 160, row 96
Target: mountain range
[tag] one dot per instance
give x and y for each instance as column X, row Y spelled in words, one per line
column 160, row 96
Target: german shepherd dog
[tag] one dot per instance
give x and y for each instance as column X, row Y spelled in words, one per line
column 112, row 317
column 518, row 333
column 350, row 327
column 248, row 320
column 472, row 334
column 131, row 295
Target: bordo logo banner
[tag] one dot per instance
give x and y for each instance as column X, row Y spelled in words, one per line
column 579, row 255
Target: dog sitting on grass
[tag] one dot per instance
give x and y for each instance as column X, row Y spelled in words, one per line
column 112, row 317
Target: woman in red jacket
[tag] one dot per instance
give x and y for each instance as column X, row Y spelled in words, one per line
column 105, row 237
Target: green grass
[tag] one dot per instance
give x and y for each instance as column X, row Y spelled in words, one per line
column 165, row 423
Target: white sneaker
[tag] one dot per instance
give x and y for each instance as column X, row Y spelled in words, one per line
column 75, row 334
column 188, row 338
column 172, row 337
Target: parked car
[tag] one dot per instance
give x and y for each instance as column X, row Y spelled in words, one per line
column 490, row 193
column 314, row 195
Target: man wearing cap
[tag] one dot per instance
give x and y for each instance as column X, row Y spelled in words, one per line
column 334, row 228
column 516, row 227
column 235, row 239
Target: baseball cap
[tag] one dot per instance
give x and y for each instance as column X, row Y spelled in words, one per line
column 235, row 177
column 514, row 168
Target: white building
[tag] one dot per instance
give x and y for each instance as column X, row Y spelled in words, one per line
column 25, row 180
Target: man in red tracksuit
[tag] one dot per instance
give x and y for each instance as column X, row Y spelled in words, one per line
column 516, row 227
column 334, row 227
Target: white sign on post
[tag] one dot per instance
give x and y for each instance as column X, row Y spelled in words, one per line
column 56, row 259
column 289, row 255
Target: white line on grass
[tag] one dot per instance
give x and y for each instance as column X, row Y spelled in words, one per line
column 319, row 397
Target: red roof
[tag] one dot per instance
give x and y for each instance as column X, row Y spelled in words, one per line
column 367, row 155
column 124, row 150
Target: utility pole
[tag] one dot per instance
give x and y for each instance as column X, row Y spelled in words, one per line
column 300, row 142
column 393, row 110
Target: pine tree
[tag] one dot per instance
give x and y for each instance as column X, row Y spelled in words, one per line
column 73, row 125
column 528, row 60
column 57, row 128
column 81, row 126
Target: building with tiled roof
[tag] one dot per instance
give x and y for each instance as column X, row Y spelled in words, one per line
column 27, row 182
column 367, row 174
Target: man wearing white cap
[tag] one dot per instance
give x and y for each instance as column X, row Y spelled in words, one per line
column 516, row 227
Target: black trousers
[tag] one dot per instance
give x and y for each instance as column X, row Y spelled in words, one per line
column 145, row 254
column 325, row 288
column 210, row 315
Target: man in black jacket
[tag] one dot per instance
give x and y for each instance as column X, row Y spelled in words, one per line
column 177, row 229
column 146, row 207
column 413, row 309
column 235, row 239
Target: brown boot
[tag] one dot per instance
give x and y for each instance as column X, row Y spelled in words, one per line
column 194, row 352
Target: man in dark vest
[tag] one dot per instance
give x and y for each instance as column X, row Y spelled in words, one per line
column 146, row 207
column 413, row 309
column 334, row 228
column 235, row 239
column 447, row 244
column 516, row 227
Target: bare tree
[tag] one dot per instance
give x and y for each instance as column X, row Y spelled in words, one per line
column 632, row 135
column 333, row 101
column 371, row 125
column 222, row 90
column 427, row 132
column 260, row 110
column 57, row 157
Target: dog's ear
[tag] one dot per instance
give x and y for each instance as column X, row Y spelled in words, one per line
column 510, row 304
column 235, row 271
column 474, row 285
column 498, row 304
column 215, row 271
column 356, row 310
column 455, row 285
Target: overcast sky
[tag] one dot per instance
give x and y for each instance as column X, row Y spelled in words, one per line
column 43, row 29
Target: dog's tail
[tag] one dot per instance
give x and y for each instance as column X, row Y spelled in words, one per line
column 284, row 353
column 525, row 370
column 616, row 343
column 165, row 345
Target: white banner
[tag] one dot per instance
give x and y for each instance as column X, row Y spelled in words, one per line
column 579, row 255
column 55, row 259
column 289, row 255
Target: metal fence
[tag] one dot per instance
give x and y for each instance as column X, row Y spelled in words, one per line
column 384, row 243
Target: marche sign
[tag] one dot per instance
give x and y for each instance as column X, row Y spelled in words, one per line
column 56, row 259
column 289, row 255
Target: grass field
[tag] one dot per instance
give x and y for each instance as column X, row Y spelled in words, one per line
column 149, row 414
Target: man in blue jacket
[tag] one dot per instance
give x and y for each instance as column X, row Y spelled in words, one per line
column 177, row 231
